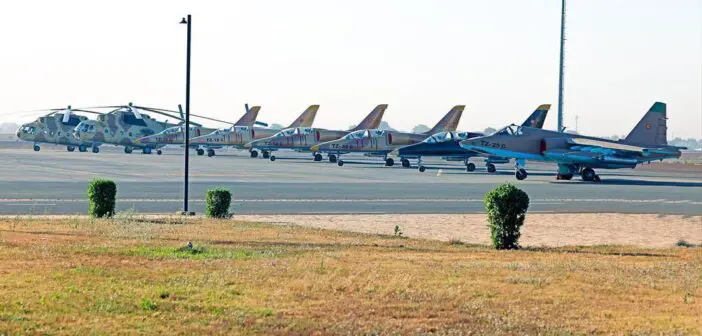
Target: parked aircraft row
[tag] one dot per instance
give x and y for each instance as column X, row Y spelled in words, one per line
column 574, row 154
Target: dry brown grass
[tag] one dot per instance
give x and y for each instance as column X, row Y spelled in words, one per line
column 77, row 276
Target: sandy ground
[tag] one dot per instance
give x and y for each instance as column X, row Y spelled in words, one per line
column 539, row 229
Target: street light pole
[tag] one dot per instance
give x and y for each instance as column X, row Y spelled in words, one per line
column 187, row 118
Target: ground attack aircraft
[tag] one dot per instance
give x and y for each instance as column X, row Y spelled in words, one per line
column 301, row 138
column 176, row 135
column 238, row 136
column 576, row 154
column 122, row 126
column 447, row 145
column 56, row 128
column 382, row 142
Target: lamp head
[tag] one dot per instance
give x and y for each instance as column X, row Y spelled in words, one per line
column 183, row 21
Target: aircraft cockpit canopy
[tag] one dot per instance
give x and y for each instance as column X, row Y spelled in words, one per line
column 286, row 132
column 29, row 129
column 240, row 129
column 355, row 135
column 511, row 130
column 440, row 137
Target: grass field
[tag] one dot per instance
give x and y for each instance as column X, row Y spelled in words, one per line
column 137, row 275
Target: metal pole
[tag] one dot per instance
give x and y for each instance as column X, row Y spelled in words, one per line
column 560, row 72
column 187, row 121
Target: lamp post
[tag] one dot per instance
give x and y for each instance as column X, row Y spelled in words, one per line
column 186, row 143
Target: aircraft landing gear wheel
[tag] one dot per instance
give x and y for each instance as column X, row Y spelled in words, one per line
column 254, row 153
column 200, row 152
column 266, row 154
column 389, row 162
column 210, row 152
column 340, row 163
column 405, row 163
column 520, row 174
column 332, row 158
column 422, row 169
column 470, row 167
column 490, row 168
column 128, row 150
column 566, row 177
column 588, row 174
column 96, row 150
column 159, row 152
column 70, row 148
column 146, row 150
column 37, row 148
column 318, row 157
column 272, row 158
column 82, row 148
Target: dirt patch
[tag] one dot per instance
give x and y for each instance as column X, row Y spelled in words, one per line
column 539, row 229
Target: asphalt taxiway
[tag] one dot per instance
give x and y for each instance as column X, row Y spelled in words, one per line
column 54, row 181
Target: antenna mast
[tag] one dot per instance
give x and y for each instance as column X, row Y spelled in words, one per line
column 560, row 72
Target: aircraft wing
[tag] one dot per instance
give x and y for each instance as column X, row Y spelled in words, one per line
column 606, row 147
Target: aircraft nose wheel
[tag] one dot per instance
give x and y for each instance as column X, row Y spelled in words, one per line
column 422, row 169
column 159, row 152
column 82, row 149
column 588, row 174
column 490, row 168
column 70, row 148
column 37, row 148
column 128, row 150
column 254, row 153
column 340, row 163
column 200, row 152
column 332, row 158
column 520, row 174
column 405, row 163
column 318, row 157
column 389, row 162
column 210, row 152
column 272, row 158
column 96, row 150
column 470, row 167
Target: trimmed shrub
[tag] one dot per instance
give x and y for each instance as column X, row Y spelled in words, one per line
column 101, row 196
column 506, row 207
column 217, row 203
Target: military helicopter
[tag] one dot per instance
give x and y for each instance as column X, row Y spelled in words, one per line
column 56, row 127
column 123, row 125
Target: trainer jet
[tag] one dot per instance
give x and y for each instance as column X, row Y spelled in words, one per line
column 576, row 154
column 122, row 126
column 301, row 138
column 447, row 145
column 55, row 127
column 176, row 135
column 238, row 136
column 375, row 142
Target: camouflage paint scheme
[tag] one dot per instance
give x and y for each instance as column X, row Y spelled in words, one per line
column 579, row 154
column 238, row 136
column 120, row 127
column 52, row 129
column 382, row 142
column 301, row 138
column 176, row 135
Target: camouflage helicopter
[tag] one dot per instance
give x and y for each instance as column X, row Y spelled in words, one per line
column 56, row 128
column 123, row 126
column 176, row 135
column 238, row 136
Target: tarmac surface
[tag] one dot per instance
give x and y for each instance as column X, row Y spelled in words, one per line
column 54, row 181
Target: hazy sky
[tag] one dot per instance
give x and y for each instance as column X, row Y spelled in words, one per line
column 499, row 58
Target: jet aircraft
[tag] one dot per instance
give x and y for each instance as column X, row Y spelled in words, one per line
column 578, row 154
column 375, row 142
column 238, row 136
column 301, row 138
column 446, row 145
column 176, row 135
column 55, row 127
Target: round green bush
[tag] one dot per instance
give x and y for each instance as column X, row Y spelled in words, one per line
column 101, row 197
column 506, row 207
column 217, row 203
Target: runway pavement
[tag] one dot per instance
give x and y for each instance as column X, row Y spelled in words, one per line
column 53, row 181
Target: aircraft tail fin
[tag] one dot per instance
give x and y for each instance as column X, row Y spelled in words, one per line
column 249, row 117
column 306, row 118
column 652, row 128
column 449, row 123
column 373, row 119
column 536, row 119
